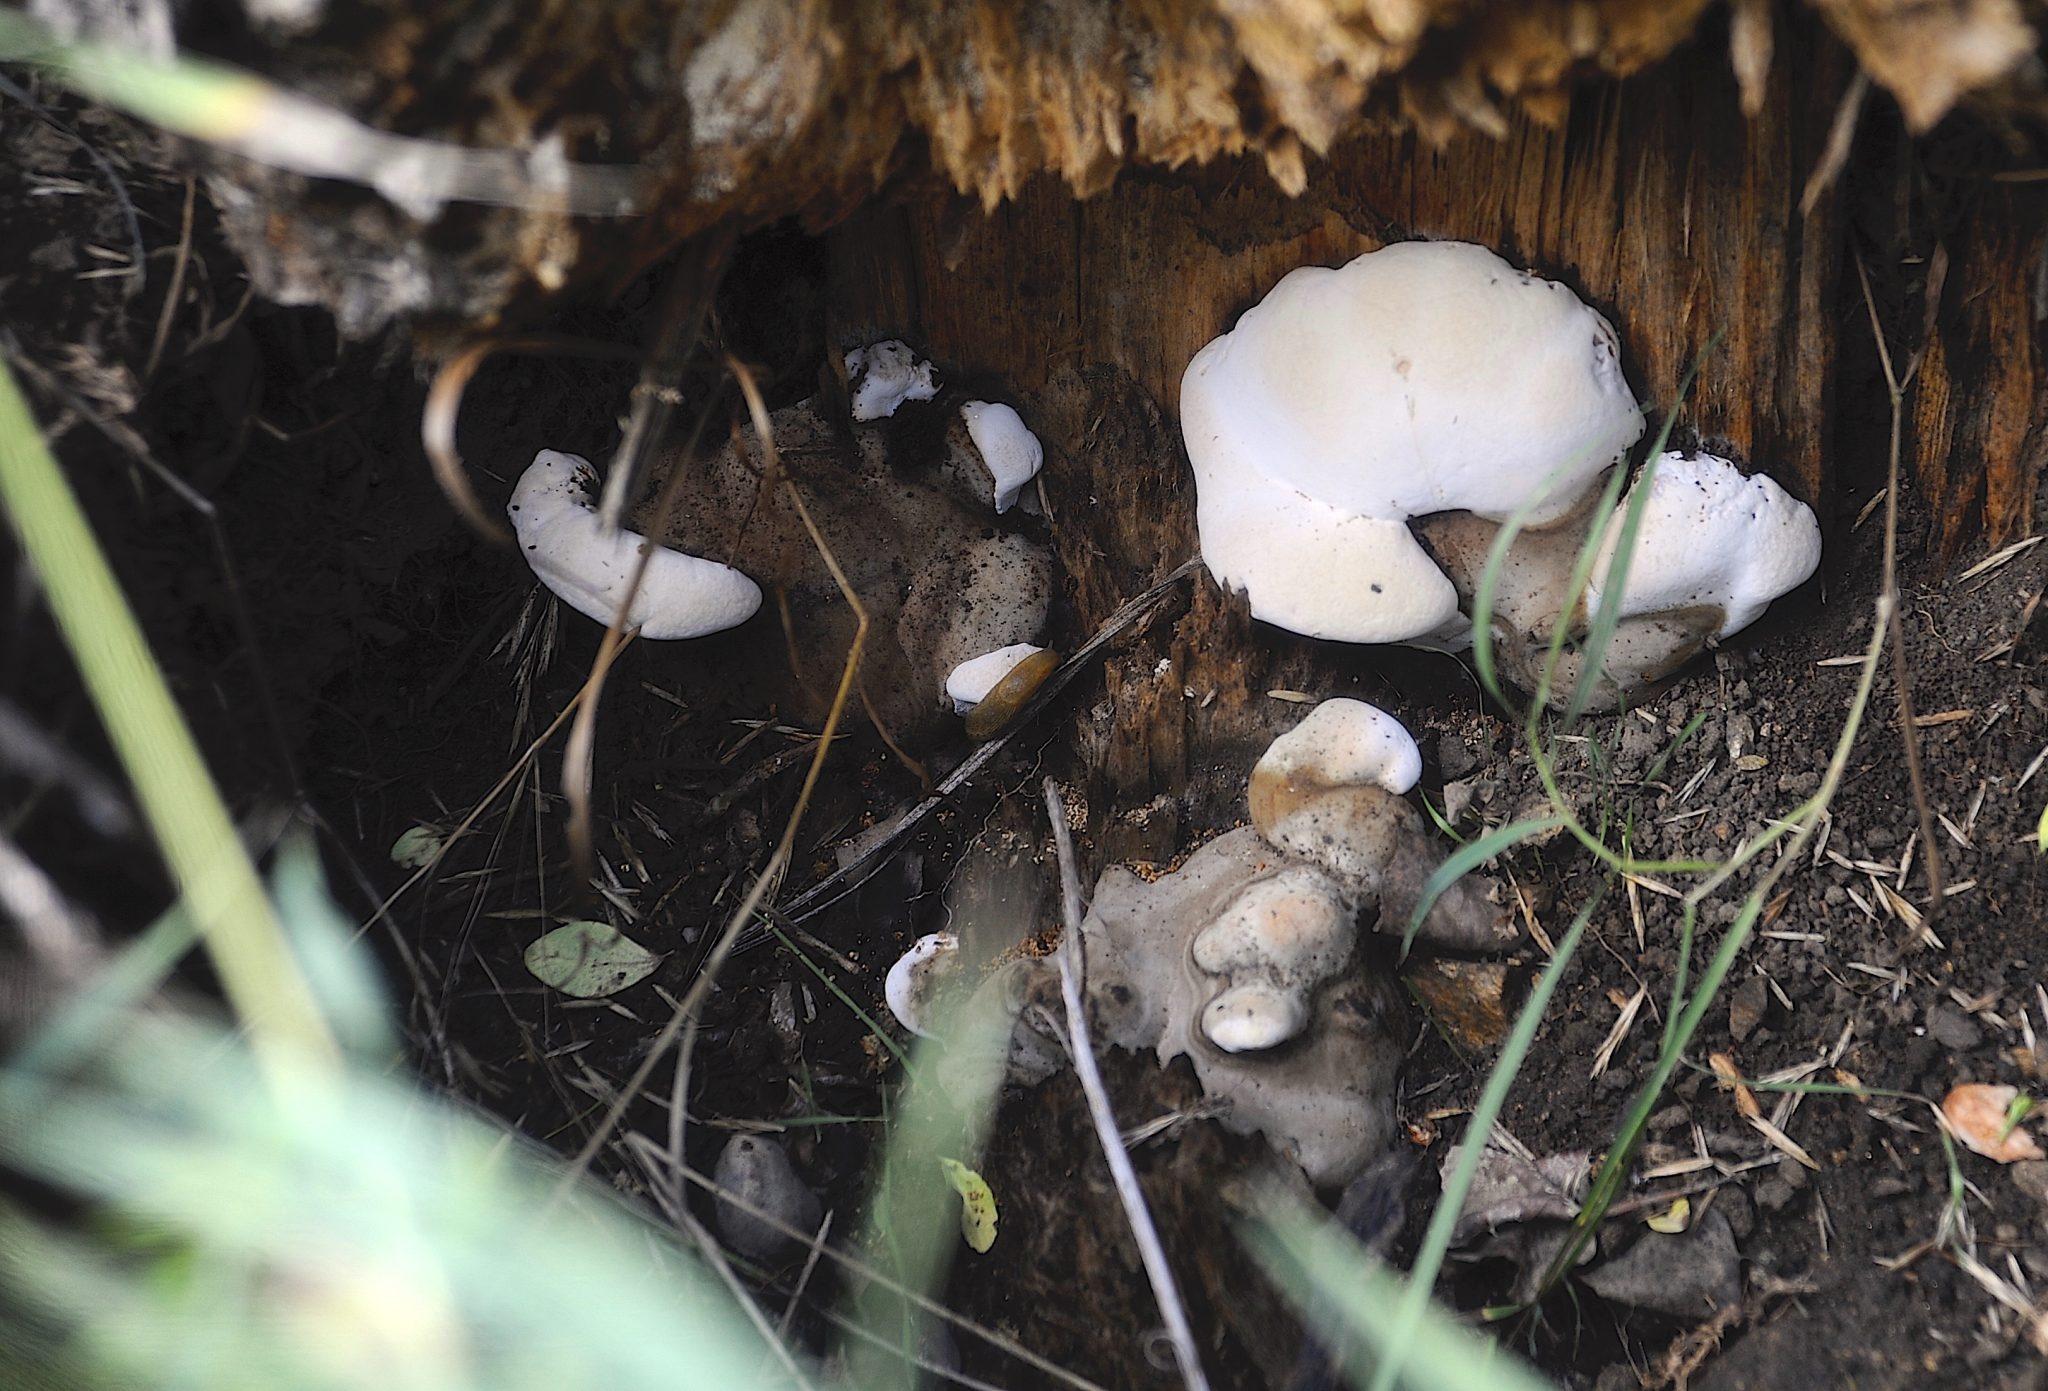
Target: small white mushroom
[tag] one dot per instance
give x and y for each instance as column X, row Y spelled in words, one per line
column 680, row 595
column 917, row 977
column 1710, row 538
column 1274, row 943
column 1423, row 377
column 968, row 684
column 1009, row 450
column 882, row 376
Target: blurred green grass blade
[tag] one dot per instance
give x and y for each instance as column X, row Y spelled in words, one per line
column 1464, row 860
column 1413, row 1306
column 375, row 1242
column 341, row 973
column 171, row 782
column 1352, row 1299
column 133, row 974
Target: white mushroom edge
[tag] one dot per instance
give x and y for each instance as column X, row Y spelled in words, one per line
column 1709, row 538
column 680, row 595
column 914, row 978
column 1009, row 451
column 968, row 684
column 882, row 376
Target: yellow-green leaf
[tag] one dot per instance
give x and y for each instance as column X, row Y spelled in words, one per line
column 589, row 959
column 416, row 848
column 977, row 1204
column 1671, row 1220
column 2041, row 832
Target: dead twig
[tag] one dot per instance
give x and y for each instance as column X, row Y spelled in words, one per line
column 847, row 878
column 1902, row 671
column 444, row 408
column 1164, row 1290
column 685, row 303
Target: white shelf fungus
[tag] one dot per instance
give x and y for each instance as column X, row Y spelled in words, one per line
column 1009, row 451
column 969, row 683
column 916, row 978
column 882, row 376
column 1423, row 377
column 1710, row 539
column 680, row 595
column 1361, row 434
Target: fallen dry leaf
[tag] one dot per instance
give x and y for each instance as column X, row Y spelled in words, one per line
column 1975, row 1113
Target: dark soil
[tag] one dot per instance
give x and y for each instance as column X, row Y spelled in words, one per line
column 357, row 662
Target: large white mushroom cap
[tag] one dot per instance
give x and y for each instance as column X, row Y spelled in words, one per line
column 680, row 596
column 1423, row 377
column 1710, row 538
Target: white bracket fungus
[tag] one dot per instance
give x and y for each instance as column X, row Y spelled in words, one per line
column 1010, row 452
column 916, row 978
column 1432, row 388
column 1710, row 539
column 680, row 595
column 882, row 376
column 1423, row 377
column 969, row 683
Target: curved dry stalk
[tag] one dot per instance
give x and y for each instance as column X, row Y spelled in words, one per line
column 444, row 407
column 1902, row 670
column 683, row 1021
column 1165, row 1292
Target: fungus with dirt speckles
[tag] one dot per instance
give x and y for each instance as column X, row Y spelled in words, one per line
column 882, row 376
column 1274, row 943
column 917, row 977
column 1330, row 789
column 1009, row 451
column 680, row 595
column 1424, row 377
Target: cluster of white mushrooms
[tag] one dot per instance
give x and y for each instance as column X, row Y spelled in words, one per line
column 1243, row 959
column 1362, row 433
column 988, row 458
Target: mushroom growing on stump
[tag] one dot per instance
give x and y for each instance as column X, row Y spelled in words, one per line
column 1424, row 377
column 1361, row 434
column 680, row 595
column 1246, row 961
column 1712, row 550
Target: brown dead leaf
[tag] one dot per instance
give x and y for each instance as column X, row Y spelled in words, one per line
column 1975, row 1113
column 1731, row 1078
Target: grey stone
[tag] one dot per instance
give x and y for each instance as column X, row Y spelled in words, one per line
column 754, row 1169
column 1688, row 1275
column 1953, row 1029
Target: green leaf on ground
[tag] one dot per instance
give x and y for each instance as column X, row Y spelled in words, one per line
column 589, row 959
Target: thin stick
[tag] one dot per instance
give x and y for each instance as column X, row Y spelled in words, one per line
column 1164, row 1291
column 683, row 1021
column 1902, row 672
column 845, row 880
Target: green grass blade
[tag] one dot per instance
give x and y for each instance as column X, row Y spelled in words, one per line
column 1352, row 1299
column 1600, row 633
column 171, row 782
column 1436, row 1241
column 1467, row 858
